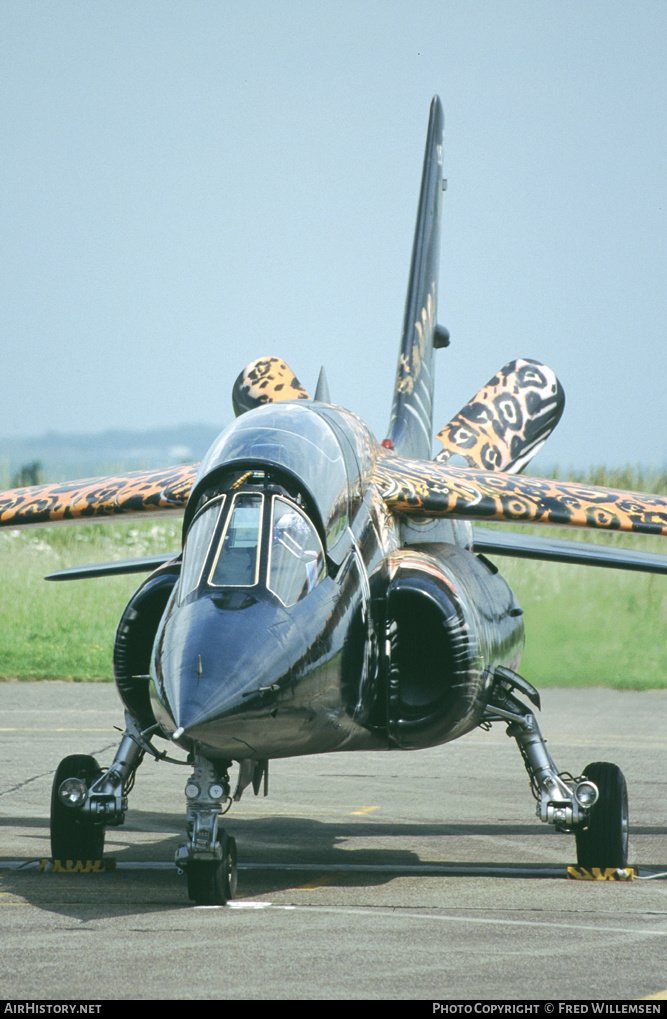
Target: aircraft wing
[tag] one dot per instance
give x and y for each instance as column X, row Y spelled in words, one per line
column 134, row 493
column 582, row 553
column 114, row 568
column 429, row 489
column 265, row 380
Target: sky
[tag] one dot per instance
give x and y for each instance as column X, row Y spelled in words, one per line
column 189, row 184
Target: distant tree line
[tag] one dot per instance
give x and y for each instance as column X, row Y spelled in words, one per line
column 29, row 474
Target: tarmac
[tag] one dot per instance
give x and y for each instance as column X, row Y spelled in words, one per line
column 384, row 876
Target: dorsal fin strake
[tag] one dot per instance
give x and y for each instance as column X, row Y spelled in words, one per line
column 322, row 389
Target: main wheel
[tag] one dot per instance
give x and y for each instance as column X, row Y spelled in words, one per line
column 604, row 842
column 213, row 882
column 74, row 838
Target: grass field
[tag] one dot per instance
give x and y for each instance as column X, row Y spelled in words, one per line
column 584, row 626
column 587, row 626
column 65, row 630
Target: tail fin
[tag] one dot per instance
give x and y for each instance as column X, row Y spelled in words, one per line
column 411, row 424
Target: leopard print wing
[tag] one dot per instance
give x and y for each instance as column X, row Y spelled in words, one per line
column 266, row 380
column 134, row 493
column 508, row 421
column 428, row 489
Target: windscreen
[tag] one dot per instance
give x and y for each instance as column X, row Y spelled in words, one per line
column 297, row 558
column 237, row 560
column 251, row 539
column 197, row 545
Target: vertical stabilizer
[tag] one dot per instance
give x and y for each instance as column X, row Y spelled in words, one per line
column 411, row 425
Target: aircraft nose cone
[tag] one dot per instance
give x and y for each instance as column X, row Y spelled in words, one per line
column 214, row 667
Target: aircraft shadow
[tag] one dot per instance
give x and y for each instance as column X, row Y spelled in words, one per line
column 278, row 853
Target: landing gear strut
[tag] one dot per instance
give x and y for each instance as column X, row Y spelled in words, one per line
column 593, row 806
column 84, row 799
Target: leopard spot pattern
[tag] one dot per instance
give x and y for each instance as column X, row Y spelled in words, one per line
column 506, row 422
column 134, row 492
column 431, row 489
column 266, row 380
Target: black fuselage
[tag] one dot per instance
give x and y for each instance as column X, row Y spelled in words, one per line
column 301, row 623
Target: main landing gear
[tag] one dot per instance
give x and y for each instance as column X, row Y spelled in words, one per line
column 593, row 806
column 603, row 842
column 84, row 800
column 73, row 836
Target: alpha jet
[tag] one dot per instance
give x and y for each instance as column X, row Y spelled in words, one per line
column 332, row 595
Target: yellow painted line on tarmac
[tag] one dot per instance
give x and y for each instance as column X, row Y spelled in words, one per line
column 607, row 738
column 276, row 810
column 365, row 810
column 320, row 882
column 610, row 741
column 53, row 728
column 660, row 996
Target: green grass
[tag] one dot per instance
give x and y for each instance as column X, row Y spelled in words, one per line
column 65, row 630
column 587, row 626
column 584, row 626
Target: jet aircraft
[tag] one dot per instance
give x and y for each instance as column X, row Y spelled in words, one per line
column 333, row 593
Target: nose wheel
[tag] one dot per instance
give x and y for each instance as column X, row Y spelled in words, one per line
column 213, row 882
column 604, row 841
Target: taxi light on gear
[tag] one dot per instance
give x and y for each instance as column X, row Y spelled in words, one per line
column 192, row 790
column 215, row 791
column 72, row 792
column 586, row 794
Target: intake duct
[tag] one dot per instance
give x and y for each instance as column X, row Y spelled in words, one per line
column 134, row 641
column 450, row 620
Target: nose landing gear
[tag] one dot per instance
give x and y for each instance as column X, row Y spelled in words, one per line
column 209, row 857
column 213, row 882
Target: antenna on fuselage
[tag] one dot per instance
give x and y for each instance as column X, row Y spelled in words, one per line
column 322, row 391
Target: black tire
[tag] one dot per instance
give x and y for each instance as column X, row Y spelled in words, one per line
column 213, row 882
column 71, row 837
column 604, row 842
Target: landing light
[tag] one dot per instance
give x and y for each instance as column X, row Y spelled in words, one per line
column 192, row 790
column 586, row 794
column 215, row 791
column 72, row 792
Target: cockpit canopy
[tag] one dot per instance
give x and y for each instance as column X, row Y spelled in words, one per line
column 254, row 536
column 309, row 445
